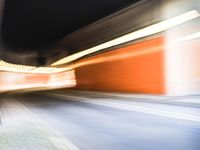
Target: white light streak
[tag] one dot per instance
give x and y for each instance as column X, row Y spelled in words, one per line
column 4, row 66
column 190, row 37
column 147, row 31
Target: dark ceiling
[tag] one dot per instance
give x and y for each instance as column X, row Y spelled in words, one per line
column 39, row 23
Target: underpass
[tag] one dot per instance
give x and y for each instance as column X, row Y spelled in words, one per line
column 99, row 75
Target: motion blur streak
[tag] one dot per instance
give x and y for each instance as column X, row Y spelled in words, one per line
column 150, row 30
column 135, row 85
column 109, row 103
column 5, row 66
column 190, row 37
column 99, row 121
column 11, row 81
column 139, row 52
column 125, row 69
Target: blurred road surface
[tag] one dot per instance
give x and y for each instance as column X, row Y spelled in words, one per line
column 95, row 121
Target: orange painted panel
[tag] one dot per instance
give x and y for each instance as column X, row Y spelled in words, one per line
column 134, row 68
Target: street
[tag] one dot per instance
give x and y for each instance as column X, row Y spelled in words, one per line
column 110, row 126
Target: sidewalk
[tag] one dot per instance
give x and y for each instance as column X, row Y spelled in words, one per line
column 20, row 129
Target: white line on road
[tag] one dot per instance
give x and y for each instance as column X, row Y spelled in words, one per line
column 176, row 115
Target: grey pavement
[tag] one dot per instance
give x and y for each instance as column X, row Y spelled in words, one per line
column 20, row 129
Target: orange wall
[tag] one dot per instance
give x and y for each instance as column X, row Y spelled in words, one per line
column 135, row 68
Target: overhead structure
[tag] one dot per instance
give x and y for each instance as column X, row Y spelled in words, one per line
column 141, row 33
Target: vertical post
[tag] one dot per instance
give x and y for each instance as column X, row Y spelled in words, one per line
column 1, row 21
column 1, row 11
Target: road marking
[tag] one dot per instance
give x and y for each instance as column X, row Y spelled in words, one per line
column 141, row 96
column 175, row 115
column 147, row 97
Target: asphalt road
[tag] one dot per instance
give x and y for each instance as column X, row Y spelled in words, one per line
column 103, row 123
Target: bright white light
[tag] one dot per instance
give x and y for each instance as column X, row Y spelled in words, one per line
column 4, row 66
column 190, row 37
column 149, row 30
column 31, row 82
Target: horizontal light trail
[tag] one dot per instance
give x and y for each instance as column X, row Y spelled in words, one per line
column 118, row 57
column 190, row 37
column 5, row 66
column 163, row 113
column 144, row 32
